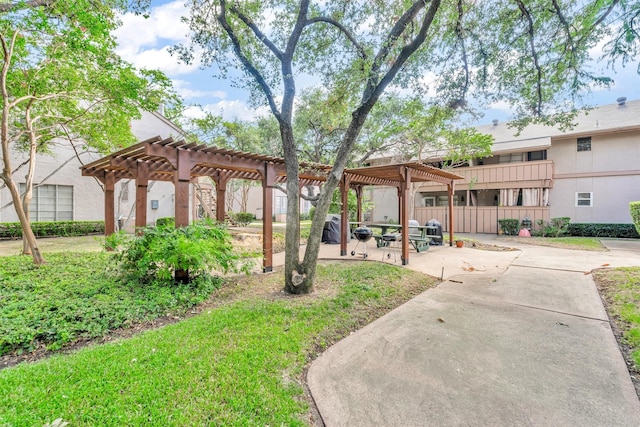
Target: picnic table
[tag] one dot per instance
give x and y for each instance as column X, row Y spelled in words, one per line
column 420, row 241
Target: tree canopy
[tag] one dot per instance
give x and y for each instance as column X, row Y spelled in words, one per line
column 61, row 80
column 458, row 55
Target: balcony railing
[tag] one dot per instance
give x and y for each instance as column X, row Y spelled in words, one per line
column 536, row 174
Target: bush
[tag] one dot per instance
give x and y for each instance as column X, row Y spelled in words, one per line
column 13, row 230
column 199, row 248
column 312, row 211
column 304, row 216
column 510, row 226
column 556, row 227
column 243, row 218
column 604, row 230
column 166, row 221
column 634, row 209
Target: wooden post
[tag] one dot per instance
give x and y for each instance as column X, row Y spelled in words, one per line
column 344, row 214
column 404, row 214
column 450, row 190
column 109, row 203
column 182, row 179
column 142, row 182
column 268, row 180
column 221, row 194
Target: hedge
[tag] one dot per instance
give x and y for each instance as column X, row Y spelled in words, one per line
column 634, row 209
column 604, row 230
column 510, row 226
column 13, row 230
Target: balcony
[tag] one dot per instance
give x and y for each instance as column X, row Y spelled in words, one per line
column 535, row 174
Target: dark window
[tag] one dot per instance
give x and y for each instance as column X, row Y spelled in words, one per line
column 584, row 144
column 532, row 156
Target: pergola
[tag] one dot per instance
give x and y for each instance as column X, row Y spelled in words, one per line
column 394, row 175
column 158, row 159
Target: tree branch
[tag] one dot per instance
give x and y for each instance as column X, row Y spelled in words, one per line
column 256, row 31
column 222, row 19
column 342, row 29
column 10, row 7
column 534, row 54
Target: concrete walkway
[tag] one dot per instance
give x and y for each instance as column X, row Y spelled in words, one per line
column 508, row 339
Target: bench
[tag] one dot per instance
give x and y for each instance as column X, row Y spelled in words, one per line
column 419, row 243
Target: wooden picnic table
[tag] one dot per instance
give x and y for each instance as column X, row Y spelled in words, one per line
column 420, row 242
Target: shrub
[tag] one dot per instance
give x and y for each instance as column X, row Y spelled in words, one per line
column 510, row 226
column 312, row 211
column 198, row 248
column 304, row 216
column 243, row 218
column 556, row 227
column 166, row 221
column 13, row 230
column 604, row 230
column 634, row 209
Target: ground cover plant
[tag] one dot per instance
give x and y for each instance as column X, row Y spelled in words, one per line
column 77, row 296
column 239, row 362
column 620, row 291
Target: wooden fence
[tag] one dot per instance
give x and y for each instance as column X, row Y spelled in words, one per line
column 480, row 219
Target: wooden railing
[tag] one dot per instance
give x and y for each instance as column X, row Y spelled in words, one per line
column 535, row 174
column 479, row 219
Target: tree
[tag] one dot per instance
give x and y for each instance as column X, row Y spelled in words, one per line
column 61, row 80
column 504, row 49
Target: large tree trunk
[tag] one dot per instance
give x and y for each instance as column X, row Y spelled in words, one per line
column 28, row 193
column 27, row 233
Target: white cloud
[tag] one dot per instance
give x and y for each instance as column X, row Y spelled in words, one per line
column 184, row 89
column 229, row 110
column 145, row 42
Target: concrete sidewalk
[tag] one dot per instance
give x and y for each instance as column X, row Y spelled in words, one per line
column 520, row 339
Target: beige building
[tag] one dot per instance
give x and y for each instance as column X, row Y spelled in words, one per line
column 589, row 174
column 61, row 193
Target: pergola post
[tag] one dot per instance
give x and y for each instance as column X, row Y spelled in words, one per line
column 450, row 190
column 268, row 180
column 344, row 213
column 182, row 179
column 109, row 203
column 405, row 184
column 221, row 194
column 142, row 183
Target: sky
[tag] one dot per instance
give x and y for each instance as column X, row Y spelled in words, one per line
column 145, row 43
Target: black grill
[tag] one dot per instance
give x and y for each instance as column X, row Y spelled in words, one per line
column 363, row 234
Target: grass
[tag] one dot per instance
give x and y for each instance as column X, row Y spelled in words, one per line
column 620, row 288
column 239, row 362
column 55, row 244
column 579, row 243
column 74, row 296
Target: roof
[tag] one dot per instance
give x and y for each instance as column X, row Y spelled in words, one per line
column 393, row 174
column 610, row 118
column 161, row 156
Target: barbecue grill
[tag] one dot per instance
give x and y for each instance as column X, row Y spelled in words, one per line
column 362, row 235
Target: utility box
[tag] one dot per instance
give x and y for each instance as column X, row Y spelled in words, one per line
column 154, row 204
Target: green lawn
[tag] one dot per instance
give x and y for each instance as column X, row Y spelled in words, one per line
column 239, row 362
column 620, row 287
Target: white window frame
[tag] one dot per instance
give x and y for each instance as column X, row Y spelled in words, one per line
column 580, row 197
column 36, row 211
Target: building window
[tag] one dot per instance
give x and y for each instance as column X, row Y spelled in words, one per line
column 584, row 144
column 124, row 192
column 281, row 205
column 533, row 156
column 51, row 202
column 511, row 158
column 584, row 199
